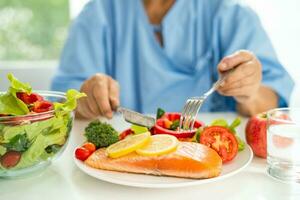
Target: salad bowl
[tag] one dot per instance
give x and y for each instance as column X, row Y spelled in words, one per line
column 34, row 127
column 29, row 143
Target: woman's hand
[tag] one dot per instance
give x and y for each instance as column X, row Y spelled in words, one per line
column 244, row 84
column 102, row 97
column 245, row 81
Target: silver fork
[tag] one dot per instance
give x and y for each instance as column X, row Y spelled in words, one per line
column 193, row 104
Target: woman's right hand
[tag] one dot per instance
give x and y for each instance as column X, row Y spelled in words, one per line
column 102, row 97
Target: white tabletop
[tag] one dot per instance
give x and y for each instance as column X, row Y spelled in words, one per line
column 63, row 180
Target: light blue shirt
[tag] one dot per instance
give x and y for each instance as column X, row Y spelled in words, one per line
column 114, row 37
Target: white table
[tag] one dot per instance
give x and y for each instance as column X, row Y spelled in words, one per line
column 63, row 180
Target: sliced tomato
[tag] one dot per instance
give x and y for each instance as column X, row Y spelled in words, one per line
column 42, row 106
column 29, row 98
column 10, row 159
column 125, row 133
column 162, row 124
column 221, row 140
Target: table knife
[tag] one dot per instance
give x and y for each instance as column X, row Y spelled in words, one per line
column 136, row 118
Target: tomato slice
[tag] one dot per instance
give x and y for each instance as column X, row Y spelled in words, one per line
column 29, row 98
column 125, row 133
column 10, row 159
column 221, row 140
column 42, row 106
column 162, row 124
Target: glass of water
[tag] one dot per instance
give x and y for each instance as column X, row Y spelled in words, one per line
column 283, row 144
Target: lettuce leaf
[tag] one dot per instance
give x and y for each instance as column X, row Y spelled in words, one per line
column 196, row 137
column 55, row 134
column 9, row 103
column 219, row 122
column 236, row 122
column 2, row 150
column 70, row 104
column 37, row 149
column 18, row 143
column 18, row 86
column 32, row 130
column 241, row 143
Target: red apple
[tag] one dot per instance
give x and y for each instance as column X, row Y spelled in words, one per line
column 256, row 134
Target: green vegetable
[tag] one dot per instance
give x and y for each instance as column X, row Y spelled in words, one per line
column 101, row 134
column 196, row 137
column 236, row 122
column 1, row 133
column 241, row 143
column 54, row 148
column 138, row 129
column 1, row 128
column 159, row 113
column 32, row 130
column 37, row 152
column 18, row 86
column 2, row 150
column 18, row 143
column 43, row 139
column 219, row 122
column 175, row 124
column 9, row 103
column 70, row 104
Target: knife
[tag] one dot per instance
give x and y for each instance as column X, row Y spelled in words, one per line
column 136, row 118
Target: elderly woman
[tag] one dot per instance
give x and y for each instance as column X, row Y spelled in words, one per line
column 157, row 53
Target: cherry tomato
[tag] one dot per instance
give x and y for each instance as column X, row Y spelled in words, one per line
column 29, row 98
column 10, row 159
column 42, row 106
column 89, row 146
column 82, row 153
column 221, row 140
column 125, row 133
column 160, row 127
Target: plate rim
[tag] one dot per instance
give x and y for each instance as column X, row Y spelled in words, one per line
column 88, row 170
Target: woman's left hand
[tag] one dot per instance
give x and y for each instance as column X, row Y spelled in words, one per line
column 245, row 81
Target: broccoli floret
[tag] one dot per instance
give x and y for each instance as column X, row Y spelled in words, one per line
column 101, row 134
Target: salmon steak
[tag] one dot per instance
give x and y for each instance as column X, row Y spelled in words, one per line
column 189, row 160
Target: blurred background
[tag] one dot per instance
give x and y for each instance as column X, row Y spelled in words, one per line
column 32, row 34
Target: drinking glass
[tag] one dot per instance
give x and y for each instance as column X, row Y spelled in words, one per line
column 283, row 144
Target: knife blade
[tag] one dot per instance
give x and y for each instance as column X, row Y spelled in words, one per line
column 136, row 118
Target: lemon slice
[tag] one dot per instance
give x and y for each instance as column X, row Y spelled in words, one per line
column 128, row 145
column 159, row 145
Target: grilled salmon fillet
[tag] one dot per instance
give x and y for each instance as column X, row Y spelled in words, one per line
column 190, row 160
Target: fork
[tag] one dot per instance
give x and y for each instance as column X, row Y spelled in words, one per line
column 193, row 104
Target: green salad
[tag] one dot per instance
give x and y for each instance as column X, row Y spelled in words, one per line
column 26, row 138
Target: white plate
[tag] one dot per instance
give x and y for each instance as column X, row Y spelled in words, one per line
column 148, row 181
